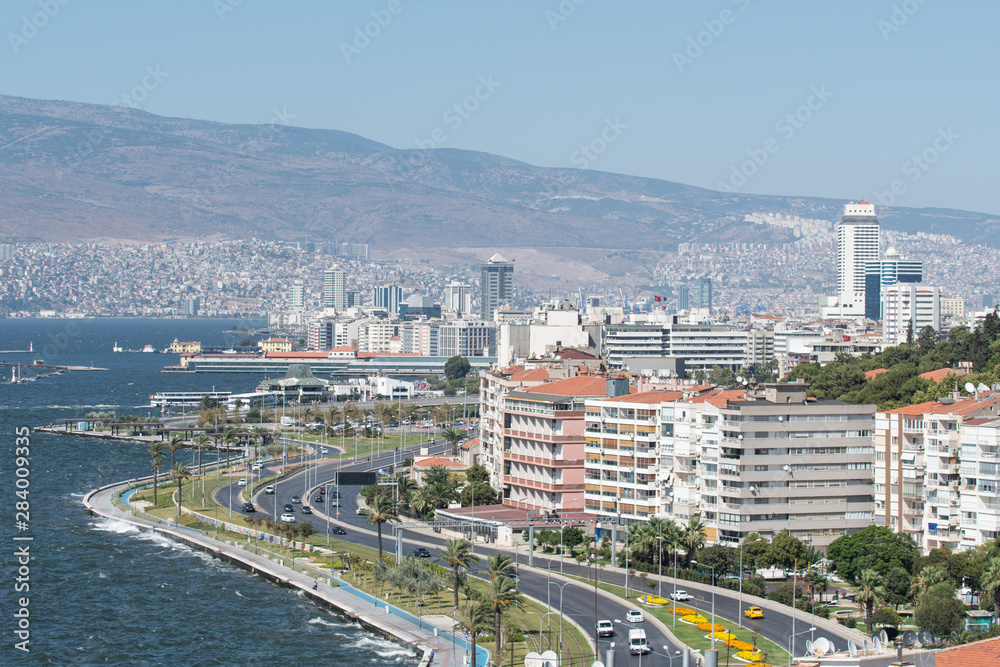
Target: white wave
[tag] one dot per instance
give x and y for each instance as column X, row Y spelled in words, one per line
column 323, row 621
column 77, row 407
column 238, row 594
column 101, row 575
column 118, row 526
column 384, row 647
column 78, row 495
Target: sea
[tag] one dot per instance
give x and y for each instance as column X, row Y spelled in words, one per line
column 103, row 592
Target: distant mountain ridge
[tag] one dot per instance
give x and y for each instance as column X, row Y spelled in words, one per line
column 74, row 172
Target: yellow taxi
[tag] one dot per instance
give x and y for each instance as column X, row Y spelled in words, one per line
column 754, row 612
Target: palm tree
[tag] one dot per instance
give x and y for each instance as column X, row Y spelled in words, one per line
column 405, row 486
column 870, row 592
column 334, row 416
column 229, row 439
column 200, row 443
column 180, row 472
column 175, row 443
column 694, row 537
column 419, row 502
column 155, row 450
column 930, row 575
column 500, row 566
column 990, row 581
column 503, row 595
column 439, row 494
column 475, row 618
column 380, row 511
column 457, row 554
column 454, row 436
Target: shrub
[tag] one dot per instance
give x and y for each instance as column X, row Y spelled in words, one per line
column 849, row 621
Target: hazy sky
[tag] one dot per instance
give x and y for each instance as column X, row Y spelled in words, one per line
column 845, row 99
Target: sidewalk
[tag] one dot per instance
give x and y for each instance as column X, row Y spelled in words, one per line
column 435, row 649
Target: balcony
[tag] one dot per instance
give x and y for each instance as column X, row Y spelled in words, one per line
column 542, row 486
column 540, row 437
column 544, row 462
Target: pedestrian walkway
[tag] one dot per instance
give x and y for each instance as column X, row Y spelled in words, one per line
column 435, row 648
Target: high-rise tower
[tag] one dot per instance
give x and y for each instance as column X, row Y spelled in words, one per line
column 497, row 285
column 857, row 243
column 334, row 295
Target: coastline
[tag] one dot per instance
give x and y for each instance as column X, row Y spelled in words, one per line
column 432, row 649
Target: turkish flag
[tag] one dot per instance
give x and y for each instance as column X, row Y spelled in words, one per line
column 657, row 298
column 847, row 339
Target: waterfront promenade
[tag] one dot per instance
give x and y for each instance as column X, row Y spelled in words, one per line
column 434, row 650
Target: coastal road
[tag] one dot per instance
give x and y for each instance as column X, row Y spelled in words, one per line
column 578, row 603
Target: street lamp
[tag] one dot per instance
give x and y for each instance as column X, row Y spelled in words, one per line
column 790, row 643
column 694, row 562
column 561, row 587
column 670, row 655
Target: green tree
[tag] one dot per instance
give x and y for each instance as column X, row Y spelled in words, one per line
column 930, row 575
column 990, row 581
column 474, row 619
column 926, row 340
column 897, row 587
column 572, row 537
column 874, row 547
column 457, row 367
column 939, row 610
column 785, row 550
column 457, row 554
column 380, row 511
column 180, row 473
column 721, row 376
column 175, row 443
column 886, row 616
column 694, row 537
column 718, row 559
column 754, row 549
column 869, row 594
column 503, row 595
column 453, row 436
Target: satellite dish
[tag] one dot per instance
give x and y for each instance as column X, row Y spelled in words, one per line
column 925, row 637
column 785, row 467
column 909, row 638
column 739, row 379
column 878, row 644
column 982, row 387
column 884, row 636
column 821, row 646
column 809, row 646
column 869, row 647
column 550, row 655
column 852, row 648
column 781, row 418
column 969, row 387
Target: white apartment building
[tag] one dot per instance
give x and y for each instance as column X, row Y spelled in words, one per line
column 917, row 476
column 857, row 243
column 980, row 490
column 704, row 347
column 458, row 298
column 904, row 304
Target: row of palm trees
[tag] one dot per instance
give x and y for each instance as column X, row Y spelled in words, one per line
column 650, row 539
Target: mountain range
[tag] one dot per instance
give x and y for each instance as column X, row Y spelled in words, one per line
column 73, row 172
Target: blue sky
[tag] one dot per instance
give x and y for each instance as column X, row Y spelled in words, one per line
column 891, row 100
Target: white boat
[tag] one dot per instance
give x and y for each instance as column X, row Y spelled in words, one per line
column 149, row 348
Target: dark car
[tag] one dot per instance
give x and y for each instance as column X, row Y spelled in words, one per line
column 288, row 508
column 337, row 530
column 421, row 552
column 306, row 509
column 319, row 500
column 248, row 507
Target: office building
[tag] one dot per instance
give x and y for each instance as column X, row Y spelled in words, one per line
column 458, row 298
column 906, row 305
column 496, row 285
column 334, row 294
column 191, row 307
column 388, row 298
column 886, row 272
column 297, row 296
column 857, row 244
column 700, row 294
column 683, row 298
column 467, row 338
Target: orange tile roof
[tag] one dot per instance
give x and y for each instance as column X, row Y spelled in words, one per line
column 719, row 397
column 343, row 348
column 438, row 461
column 371, row 355
column 296, row 355
column 870, row 375
column 649, row 397
column 470, row 443
column 961, row 407
column 941, row 373
column 576, row 386
column 984, row 653
column 531, row 375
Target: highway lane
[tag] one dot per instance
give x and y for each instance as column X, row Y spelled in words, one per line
column 578, row 599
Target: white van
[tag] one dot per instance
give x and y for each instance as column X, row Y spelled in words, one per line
column 637, row 642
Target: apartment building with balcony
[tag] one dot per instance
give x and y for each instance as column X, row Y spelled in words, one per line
column 918, row 479
column 623, row 463
column 543, row 442
column 980, row 489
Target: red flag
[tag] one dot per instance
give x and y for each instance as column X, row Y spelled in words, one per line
column 847, row 339
column 657, row 298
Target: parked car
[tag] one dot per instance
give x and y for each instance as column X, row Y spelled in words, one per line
column 269, row 488
column 681, row 596
column 634, row 616
column 248, row 507
column 305, row 509
column 287, row 517
column 754, row 612
column 605, row 629
column 337, row 530
column 421, row 552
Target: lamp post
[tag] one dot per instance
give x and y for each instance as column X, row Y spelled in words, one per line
column 791, row 647
column 694, row 562
column 561, row 587
column 675, row 586
column 659, row 562
column 670, row 655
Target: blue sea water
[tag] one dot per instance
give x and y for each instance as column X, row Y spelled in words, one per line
column 103, row 592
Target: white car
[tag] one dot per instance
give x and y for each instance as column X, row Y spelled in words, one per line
column 256, row 466
column 681, row 596
column 634, row 616
column 287, row 517
column 360, row 511
column 269, row 488
column 605, row 629
column 242, row 482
